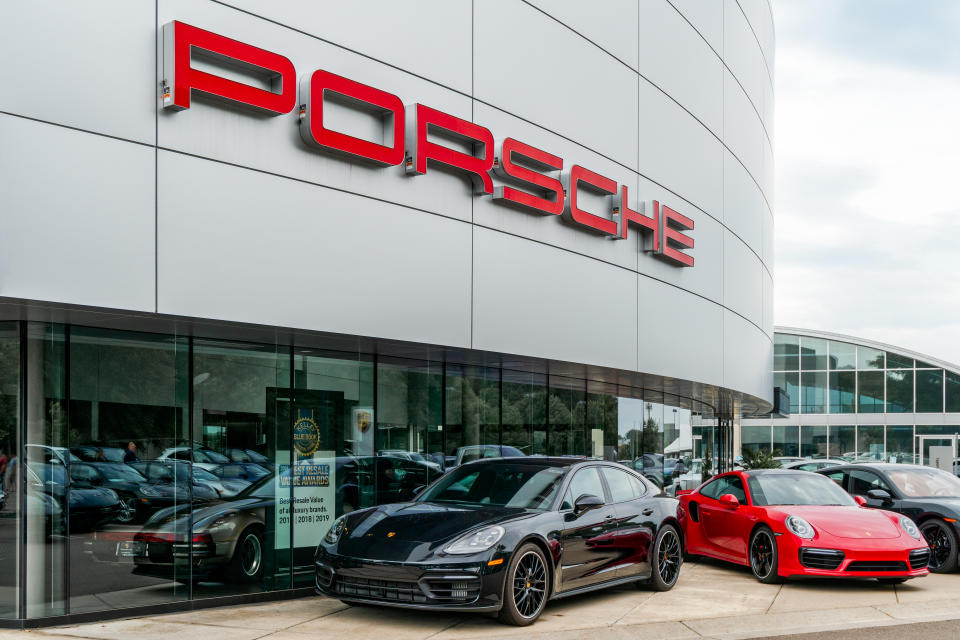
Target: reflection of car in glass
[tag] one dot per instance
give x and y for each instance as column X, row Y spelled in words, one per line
column 688, row 480
column 49, row 455
column 473, row 452
column 795, row 523
column 249, row 455
column 227, row 538
column 411, row 455
column 928, row 496
column 784, row 460
column 505, row 535
column 813, row 465
column 172, row 475
column 98, row 453
column 89, row 506
column 237, row 472
column 130, row 486
column 651, row 466
column 200, row 456
column 379, row 480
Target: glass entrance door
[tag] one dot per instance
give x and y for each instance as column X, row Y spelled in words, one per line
column 938, row 451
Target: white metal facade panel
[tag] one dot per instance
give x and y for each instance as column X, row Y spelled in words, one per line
column 539, row 70
column 679, row 152
column 236, row 244
column 534, row 300
column 82, row 64
column 745, row 342
column 743, row 206
column 676, row 58
column 77, row 213
column 611, row 24
column 743, row 134
column 680, row 335
column 742, row 278
column 706, row 16
column 741, row 51
column 430, row 38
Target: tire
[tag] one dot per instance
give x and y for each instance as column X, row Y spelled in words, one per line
column 891, row 580
column 943, row 545
column 525, row 587
column 764, row 560
column 666, row 559
column 246, row 565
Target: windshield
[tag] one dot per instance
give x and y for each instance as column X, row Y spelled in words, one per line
column 203, row 474
column 206, row 455
column 925, row 483
column 796, row 488
column 518, row 485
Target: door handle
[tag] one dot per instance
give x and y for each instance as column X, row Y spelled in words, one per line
column 647, row 512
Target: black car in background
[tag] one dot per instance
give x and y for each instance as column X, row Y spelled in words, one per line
column 88, row 507
column 505, row 535
column 930, row 497
column 128, row 484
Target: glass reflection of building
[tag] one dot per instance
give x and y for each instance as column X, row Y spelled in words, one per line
column 162, row 467
column 858, row 400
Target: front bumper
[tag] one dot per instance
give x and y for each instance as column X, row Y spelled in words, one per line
column 444, row 584
column 867, row 559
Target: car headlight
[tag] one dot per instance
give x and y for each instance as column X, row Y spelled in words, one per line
column 476, row 541
column 150, row 491
column 911, row 529
column 336, row 530
column 800, row 527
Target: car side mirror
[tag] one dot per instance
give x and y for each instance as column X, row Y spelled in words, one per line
column 585, row 503
column 729, row 500
column 860, row 500
column 879, row 494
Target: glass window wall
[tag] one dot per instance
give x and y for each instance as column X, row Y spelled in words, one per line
column 951, row 392
column 870, row 443
column 9, row 446
column 843, row 392
column 813, row 392
column 568, row 413
column 870, row 395
column 786, row 352
column 786, row 440
column 843, row 442
column 789, row 381
column 813, row 354
column 900, row 391
column 900, row 444
column 843, row 355
column 755, row 438
column 813, row 441
column 929, row 390
column 868, row 358
column 895, row 361
column 525, row 412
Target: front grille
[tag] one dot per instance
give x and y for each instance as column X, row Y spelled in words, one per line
column 392, row 590
column 826, row 559
column 919, row 558
column 452, row 589
column 877, row 565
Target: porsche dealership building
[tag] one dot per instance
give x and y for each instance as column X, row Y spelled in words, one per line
column 265, row 263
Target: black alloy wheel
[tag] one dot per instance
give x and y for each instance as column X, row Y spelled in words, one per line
column 943, row 545
column 667, row 558
column 128, row 509
column 525, row 587
column 763, row 556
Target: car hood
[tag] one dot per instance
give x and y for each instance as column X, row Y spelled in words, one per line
column 847, row 521
column 414, row 530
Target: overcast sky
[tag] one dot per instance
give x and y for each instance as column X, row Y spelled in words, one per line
column 867, row 147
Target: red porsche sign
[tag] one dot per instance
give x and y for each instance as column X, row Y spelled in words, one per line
column 534, row 180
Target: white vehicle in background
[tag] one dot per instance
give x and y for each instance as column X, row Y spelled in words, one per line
column 690, row 480
column 814, row 464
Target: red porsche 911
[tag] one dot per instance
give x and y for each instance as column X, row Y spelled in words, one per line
column 784, row 523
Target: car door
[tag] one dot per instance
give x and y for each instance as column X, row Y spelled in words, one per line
column 637, row 520
column 588, row 538
column 863, row 481
column 724, row 526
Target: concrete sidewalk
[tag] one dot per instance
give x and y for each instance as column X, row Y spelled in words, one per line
column 711, row 600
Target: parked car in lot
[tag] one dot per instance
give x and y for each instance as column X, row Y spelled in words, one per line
column 813, row 464
column 784, row 523
column 472, row 452
column 206, row 486
column 126, row 481
column 506, row 536
column 249, row 455
column 411, row 455
column 89, row 506
column 930, row 497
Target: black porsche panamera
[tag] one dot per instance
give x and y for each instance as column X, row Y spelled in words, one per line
column 506, row 535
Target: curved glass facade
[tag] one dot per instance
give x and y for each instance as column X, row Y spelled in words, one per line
column 857, row 401
column 143, row 468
